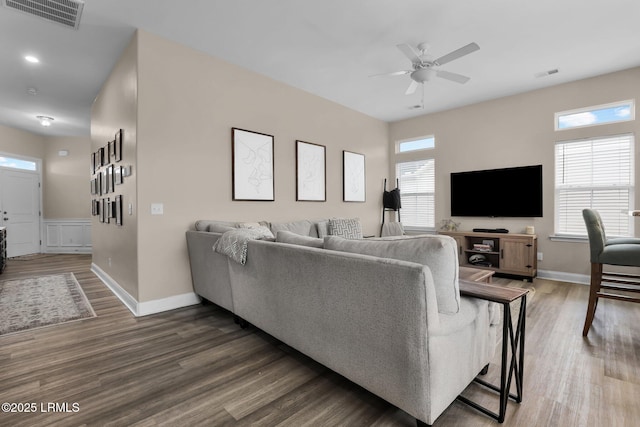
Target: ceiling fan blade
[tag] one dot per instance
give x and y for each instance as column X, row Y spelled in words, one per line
column 410, row 53
column 464, row 50
column 458, row 78
column 395, row 73
column 412, row 87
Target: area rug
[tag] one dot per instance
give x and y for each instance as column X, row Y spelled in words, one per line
column 41, row 301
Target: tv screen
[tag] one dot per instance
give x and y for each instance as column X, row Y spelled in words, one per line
column 509, row 192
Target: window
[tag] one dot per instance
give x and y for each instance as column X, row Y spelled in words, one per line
column 422, row 143
column 594, row 173
column 597, row 115
column 416, row 180
column 9, row 162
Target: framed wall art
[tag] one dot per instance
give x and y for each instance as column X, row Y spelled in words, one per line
column 117, row 146
column 104, row 156
column 99, row 188
column 118, row 175
column 118, row 209
column 353, row 177
column 111, row 148
column 110, row 178
column 311, row 172
column 104, row 215
column 252, row 165
column 94, row 165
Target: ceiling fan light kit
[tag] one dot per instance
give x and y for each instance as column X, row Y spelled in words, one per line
column 424, row 68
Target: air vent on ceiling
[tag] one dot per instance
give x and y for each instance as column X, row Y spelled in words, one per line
column 546, row 73
column 65, row 12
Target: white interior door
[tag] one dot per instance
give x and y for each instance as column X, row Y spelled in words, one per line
column 20, row 207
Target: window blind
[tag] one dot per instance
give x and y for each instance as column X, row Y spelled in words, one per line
column 417, row 186
column 595, row 173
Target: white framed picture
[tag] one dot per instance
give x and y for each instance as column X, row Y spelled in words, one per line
column 252, row 166
column 310, row 172
column 353, row 177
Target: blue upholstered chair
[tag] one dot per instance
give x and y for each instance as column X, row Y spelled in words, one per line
column 622, row 252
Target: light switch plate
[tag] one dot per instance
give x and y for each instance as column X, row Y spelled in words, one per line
column 157, row 209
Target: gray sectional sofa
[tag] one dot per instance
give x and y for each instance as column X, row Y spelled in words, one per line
column 385, row 313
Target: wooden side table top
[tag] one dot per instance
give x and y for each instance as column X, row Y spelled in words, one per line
column 499, row 294
column 475, row 274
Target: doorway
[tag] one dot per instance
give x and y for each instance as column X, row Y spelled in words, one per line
column 20, row 205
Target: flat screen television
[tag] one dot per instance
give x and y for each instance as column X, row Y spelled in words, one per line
column 509, row 192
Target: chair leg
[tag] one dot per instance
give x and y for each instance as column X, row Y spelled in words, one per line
column 596, row 279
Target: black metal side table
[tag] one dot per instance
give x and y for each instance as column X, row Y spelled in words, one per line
column 512, row 342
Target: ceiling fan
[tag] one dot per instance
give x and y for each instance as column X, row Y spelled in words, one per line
column 423, row 68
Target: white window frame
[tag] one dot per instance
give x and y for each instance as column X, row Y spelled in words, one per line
column 629, row 102
column 410, row 140
column 33, row 160
column 403, row 194
column 563, row 231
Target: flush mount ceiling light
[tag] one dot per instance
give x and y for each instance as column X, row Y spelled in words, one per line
column 44, row 120
column 32, row 59
column 32, row 91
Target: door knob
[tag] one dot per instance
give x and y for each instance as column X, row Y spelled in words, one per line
column 6, row 219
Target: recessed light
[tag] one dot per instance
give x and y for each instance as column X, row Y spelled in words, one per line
column 32, row 59
column 32, row 91
column 44, row 120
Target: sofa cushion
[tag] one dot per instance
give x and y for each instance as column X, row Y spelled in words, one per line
column 303, row 227
column 323, row 228
column 439, row 253
column 263, row 229
column 349, row 228
column 284, row 236
column 219, row 228
column 214, row 226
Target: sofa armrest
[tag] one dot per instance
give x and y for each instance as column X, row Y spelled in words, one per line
column 209, row 270
column 365, row 317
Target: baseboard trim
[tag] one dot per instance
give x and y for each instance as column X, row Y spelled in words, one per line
column 560, row 276
column 146, row 308
column 167, row 304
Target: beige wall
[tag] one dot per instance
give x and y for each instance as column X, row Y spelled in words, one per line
column 64, row 179
column 20, row 142
column 115, row 248
column 517, row 131
column 186, row 106
column 65, row 189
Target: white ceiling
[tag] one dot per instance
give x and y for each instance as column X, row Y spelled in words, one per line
column 328, row 48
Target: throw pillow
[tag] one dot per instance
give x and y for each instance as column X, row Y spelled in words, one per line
column 285, row 236
column 439, row 253
column 303, row 227
column 349, row 228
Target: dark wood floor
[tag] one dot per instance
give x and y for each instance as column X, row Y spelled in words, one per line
column 194, row 366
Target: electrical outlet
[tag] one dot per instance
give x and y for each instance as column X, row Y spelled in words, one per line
column 109, row 261
column 539, row 256
column 157, row 209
